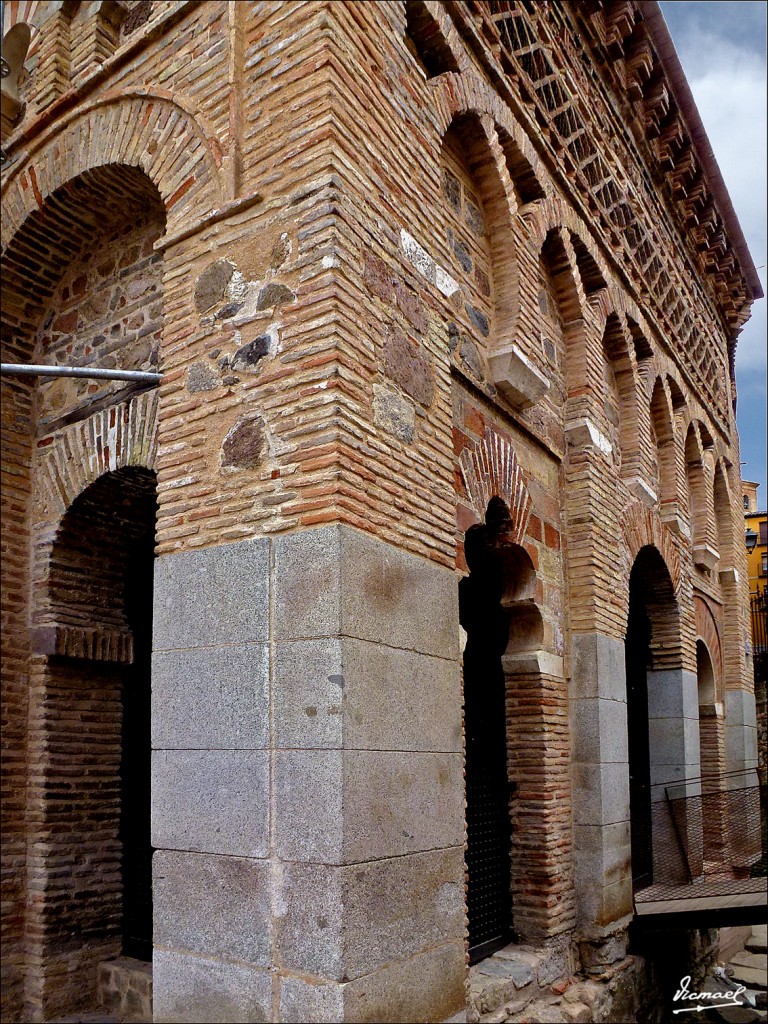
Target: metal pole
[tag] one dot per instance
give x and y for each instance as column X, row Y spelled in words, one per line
column 20, row 369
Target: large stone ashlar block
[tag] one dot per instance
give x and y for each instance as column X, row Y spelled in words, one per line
column 428, row 987
column 324, row 913
column 334, row 692
column 336, row 581
column 340, row 807
column 213, row 596
column 211, row 801
column 196, row 990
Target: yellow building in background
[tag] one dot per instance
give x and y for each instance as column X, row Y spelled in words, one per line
column 755, row 521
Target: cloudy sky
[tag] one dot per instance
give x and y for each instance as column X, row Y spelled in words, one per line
column 721, row 46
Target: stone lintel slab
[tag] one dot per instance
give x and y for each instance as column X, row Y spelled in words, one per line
column 344, row 692
column 335, row 580
column 195, row 990
column 324, row 926
column 335, row 806
column 212, row 905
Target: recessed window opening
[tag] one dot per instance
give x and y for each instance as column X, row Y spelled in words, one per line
column 486, row 622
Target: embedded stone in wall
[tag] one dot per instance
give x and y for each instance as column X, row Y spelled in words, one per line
column 474, row 218
column 470, row 356
column 461, row 252
column 245, row 444
column 454, row 337
column 395, row 413
column 281, row 250
column 483, row 284
column 410, row 306
column 421, row 261
column 478, row 320
column 200, row 377
column 212, row 284
column 452, row 190
column 274, row 295
column 248, row 357
column 377, row 277
column 406, row 365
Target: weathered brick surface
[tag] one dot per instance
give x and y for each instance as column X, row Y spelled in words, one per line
column 320, row 221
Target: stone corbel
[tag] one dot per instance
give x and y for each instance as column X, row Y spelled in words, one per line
column 516, row 377
column 705, row 556
column 533, row 661
column 675, row 521
column 642, row 491
column 583, row 433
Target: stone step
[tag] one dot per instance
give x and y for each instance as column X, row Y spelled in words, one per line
column 739, row 1015
column 749, row 976
column 757, row 961
column 124, row 988
column 758, row 940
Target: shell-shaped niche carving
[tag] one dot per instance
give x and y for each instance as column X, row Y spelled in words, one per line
column 490, row 469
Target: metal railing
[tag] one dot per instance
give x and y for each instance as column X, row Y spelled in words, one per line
column 709, row 838
column 758, row 606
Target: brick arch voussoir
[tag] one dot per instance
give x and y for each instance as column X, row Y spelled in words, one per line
column 118, row 437
column 586, row 239
column 642, row 527
column 451, row 36
column 613, row 300
column 708, row 631
column 97, row 136
column 114, row 438
column 465, row 93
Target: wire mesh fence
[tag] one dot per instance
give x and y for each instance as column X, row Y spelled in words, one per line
column 708, row 838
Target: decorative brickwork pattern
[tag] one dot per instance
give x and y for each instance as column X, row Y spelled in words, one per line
column 490, row 469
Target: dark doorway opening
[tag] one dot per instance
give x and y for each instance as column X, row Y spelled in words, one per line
column 489, row 904
column 135, row 761
column 101, row 592
column 637, row 653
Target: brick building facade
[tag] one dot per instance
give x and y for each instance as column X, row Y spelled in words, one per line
column 413, row 273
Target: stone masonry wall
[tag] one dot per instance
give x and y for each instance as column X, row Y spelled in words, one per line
column 106, row 312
